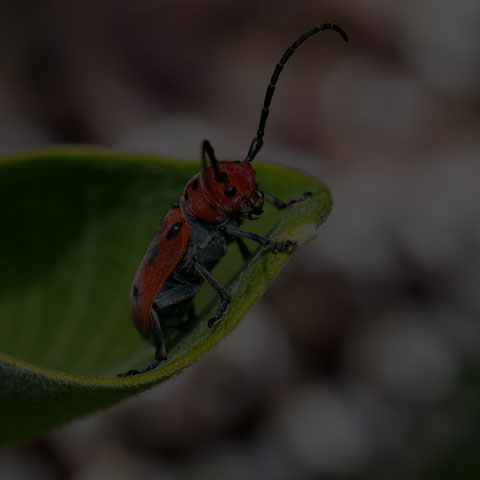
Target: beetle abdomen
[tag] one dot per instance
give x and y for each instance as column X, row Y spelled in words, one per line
column 161, row 258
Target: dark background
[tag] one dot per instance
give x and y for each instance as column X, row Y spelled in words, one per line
column 362, row 361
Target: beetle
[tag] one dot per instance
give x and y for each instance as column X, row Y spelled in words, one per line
column 196, row 231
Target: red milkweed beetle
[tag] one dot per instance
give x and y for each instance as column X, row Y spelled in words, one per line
column 195, row 233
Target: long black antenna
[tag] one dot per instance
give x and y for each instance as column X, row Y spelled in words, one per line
column 207, row 150
column 257, row 142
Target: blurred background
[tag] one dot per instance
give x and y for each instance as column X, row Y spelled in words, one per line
column 362, row 361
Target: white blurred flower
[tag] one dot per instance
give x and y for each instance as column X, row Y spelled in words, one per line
column 407, row 357
column 323, row 432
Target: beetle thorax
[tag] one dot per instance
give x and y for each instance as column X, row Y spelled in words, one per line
column 237, row 195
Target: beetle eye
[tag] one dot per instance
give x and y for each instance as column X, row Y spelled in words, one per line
column 230, row 192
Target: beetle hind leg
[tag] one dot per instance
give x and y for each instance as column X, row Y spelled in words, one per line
column 225, row 297
column 163, row 301
column 159, row 342
column 158, row 338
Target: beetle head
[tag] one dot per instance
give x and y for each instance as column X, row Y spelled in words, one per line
column 237, row 193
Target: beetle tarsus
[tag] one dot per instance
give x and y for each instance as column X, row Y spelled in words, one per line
column 285, row 246
column 214, row 321
column 150, row 366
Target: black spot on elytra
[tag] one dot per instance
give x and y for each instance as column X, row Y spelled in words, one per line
column 212, row 206
column 135, row 292
column 174, row 229
column 237, row 161
column 185, row 196
column 195, row 184
column 153, row 254
column 230, row 192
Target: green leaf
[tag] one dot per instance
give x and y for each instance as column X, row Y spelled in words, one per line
column 75, row 224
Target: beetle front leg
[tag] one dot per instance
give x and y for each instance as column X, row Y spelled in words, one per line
column 280, row 204
column 284, row 246
column 225, row 297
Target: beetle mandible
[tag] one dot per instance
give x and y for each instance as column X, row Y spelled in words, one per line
column 195, row 233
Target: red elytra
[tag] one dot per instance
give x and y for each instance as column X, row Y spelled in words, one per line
column 160, row 260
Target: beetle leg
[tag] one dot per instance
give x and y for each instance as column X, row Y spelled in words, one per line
column 280, row 205
column 173, row 296
column 275, row 247
column 243, row 249
column 222, row 293
column 159, row 340
column 163, row 300
column 160, row 350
